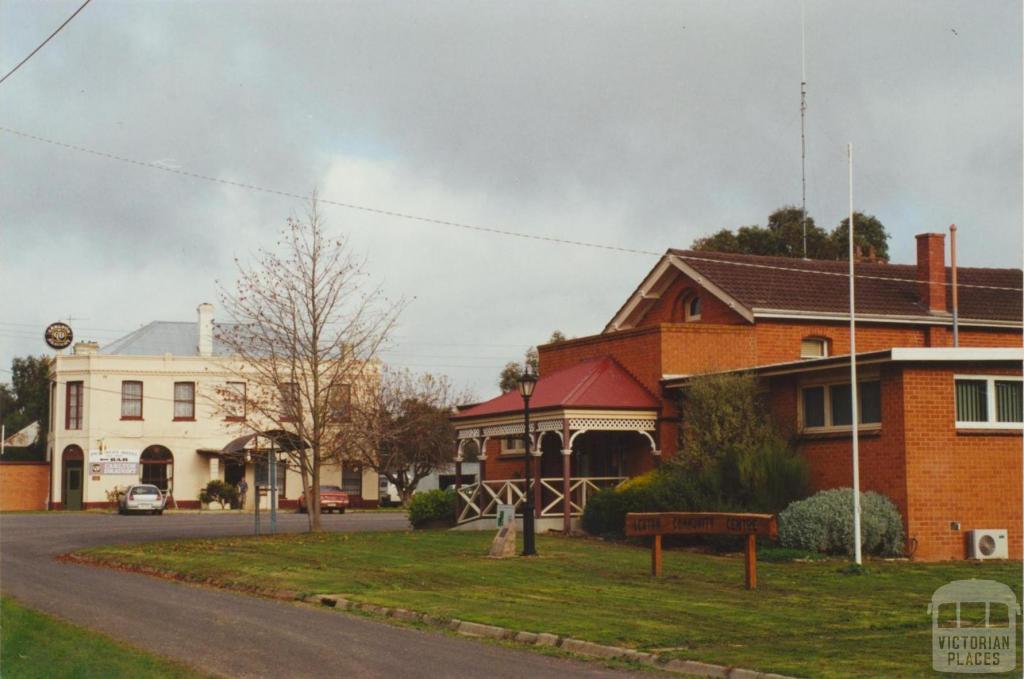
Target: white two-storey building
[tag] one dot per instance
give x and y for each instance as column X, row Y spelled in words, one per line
column 150, row 407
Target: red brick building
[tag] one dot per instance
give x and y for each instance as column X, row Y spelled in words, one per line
column 940, row 425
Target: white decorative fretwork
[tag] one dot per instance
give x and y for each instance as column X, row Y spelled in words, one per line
column 614, row 423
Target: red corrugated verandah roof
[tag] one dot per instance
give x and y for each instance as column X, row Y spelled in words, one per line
column 598, row 383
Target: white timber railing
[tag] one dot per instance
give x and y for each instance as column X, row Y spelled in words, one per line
column 481, row 500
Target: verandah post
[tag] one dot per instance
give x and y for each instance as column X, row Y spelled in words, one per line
column 458, row 484
column 566, row 478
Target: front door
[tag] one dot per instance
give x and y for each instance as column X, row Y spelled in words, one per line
column 73, row 485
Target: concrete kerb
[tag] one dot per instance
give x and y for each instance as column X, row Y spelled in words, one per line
column 578, row 647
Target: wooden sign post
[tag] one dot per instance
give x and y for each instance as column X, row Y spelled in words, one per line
column 703, row 523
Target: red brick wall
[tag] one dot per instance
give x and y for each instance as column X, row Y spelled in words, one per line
column 978, row 337
column 688, row 348
column 830, row 456
column 934, row 474
column 23, row 485
column 778, row 341
column 639, row 352
column 503, row 466
column 972, row 478
column 669, row 307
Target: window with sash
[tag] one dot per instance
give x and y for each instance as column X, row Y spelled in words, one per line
column 289, row 402
column 341, row 403
column 989, row 402
column 234, row 401
column 131, row 400
column 74, row 395
column 184, row 400
column 828, row 407
column 813, row 347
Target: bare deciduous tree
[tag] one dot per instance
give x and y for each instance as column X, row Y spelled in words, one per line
column 307, row 330
column 401, row 429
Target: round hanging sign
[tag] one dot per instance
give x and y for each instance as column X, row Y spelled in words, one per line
column 58, row 335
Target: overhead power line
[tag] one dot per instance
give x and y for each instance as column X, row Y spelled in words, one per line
column 326, row 201
column 460, row 225
column 43, row 43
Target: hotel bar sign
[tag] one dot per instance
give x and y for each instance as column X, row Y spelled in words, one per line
column 118, row 462
column 58, row 335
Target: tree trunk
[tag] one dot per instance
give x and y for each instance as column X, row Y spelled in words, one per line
column 406, row 493
column 314, row 491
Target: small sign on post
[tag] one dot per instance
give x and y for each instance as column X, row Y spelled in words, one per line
column 504, row 543
column 656, row 524
column 506, row 515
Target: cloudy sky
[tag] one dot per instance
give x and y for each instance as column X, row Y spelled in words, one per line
column 642, row 125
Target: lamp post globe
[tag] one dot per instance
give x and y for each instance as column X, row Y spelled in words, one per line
column 526, row 385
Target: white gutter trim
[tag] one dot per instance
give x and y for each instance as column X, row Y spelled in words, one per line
column 958, row 354
column 940, row 319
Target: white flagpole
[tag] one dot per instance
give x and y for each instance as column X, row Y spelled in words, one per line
column 854, row 421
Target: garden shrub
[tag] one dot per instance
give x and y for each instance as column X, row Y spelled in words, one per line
column 665, row 489
column 218, row 491
column 765, row 479
column 432, row 507
column 824, row 523
column 730, row 458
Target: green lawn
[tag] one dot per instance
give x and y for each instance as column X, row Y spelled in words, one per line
column 811, row 619
column 35, row 645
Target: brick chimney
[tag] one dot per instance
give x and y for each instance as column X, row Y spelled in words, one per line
column 931, row 270
column 205, row 325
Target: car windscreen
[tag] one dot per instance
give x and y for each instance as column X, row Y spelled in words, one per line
column 145, row 490
column 330, row 489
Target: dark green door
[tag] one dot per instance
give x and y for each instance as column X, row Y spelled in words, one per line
column 73, row 485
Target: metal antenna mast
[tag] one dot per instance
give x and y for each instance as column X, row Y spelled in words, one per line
column 803, row 140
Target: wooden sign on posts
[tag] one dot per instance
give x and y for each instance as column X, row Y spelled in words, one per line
column 656, row 524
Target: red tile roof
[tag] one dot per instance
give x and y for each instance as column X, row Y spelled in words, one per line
column 596, row 383
column 781, row 283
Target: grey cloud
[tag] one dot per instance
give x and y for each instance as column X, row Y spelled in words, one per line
column 641, row 124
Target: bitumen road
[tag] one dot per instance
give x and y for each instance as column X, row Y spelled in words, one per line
column 237, row 635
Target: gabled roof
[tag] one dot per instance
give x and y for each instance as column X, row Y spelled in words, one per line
column 762, row 286
column 596, row 383
column 166, row 337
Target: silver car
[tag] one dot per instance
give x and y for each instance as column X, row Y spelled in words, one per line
column 142, row 498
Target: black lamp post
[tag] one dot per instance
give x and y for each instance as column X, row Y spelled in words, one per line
column 526, row 384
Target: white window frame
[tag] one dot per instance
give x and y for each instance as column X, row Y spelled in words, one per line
column 830, row 428
column 687, row 302
column 518, row 449
column 990, row 402
column 823, row 341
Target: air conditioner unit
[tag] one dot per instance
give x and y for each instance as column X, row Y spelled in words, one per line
column 988, row 543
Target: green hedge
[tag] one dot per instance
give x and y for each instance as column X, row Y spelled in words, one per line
column 824, row 523
column 432, row 507
column 763, row 480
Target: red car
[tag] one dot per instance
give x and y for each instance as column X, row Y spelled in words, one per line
column 332, row 499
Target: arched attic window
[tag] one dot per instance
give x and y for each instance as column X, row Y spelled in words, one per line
column 691, row 307
column 686, row 307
